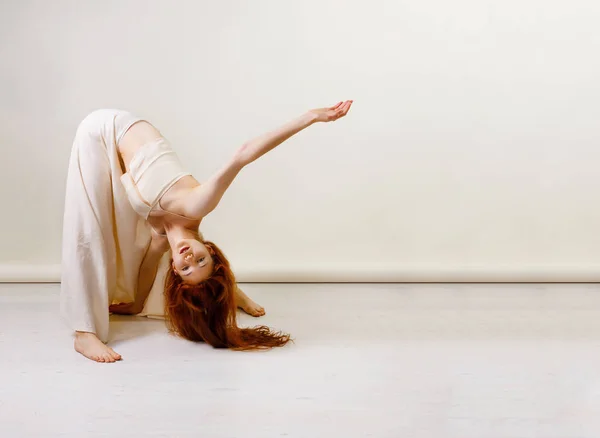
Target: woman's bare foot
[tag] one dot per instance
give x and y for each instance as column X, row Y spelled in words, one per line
column 93, row 348
column 244, row 302
column 251, row 308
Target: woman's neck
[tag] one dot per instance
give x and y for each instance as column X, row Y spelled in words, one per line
column 178, row 232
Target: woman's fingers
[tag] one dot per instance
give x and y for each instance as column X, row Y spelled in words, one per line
column 347, row 106
column 120, row 308
column 334, row 112
column 343, row 109
column 336, row 106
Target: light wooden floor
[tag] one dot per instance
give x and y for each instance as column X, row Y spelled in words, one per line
column 369, row 361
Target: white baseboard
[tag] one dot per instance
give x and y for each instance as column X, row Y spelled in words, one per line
column 22, row 273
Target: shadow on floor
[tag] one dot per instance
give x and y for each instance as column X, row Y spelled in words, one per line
column 126, row 328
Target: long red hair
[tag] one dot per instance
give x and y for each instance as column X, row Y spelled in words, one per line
column 206, row 312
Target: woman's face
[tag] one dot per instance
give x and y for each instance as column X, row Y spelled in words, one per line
column 192, row 261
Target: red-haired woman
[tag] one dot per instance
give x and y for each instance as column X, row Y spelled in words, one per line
column 128, row 201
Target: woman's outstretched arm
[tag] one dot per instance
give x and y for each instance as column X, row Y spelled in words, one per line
column 204, row 198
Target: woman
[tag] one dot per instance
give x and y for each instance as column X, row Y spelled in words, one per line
column 128, row 201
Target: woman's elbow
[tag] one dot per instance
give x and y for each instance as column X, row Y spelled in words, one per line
column 243, row 156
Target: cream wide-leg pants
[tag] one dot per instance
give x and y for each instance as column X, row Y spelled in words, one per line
column 104, row 239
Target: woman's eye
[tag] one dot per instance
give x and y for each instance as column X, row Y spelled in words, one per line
column 201, row 260
column 185, row 268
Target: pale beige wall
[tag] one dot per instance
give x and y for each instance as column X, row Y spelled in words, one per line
column 471, row 151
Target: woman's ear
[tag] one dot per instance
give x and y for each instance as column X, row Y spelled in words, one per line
column 210, row 248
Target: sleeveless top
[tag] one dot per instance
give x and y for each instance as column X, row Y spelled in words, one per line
column 153, row 170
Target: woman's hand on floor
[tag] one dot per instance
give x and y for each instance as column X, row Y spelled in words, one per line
column 125, row 308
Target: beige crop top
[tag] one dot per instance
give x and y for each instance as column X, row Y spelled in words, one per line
column 153, row 170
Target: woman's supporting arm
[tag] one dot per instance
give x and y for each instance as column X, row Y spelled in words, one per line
column 146, row 276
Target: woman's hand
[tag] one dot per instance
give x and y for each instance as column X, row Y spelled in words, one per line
column 332, row 113
column 126, row 308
